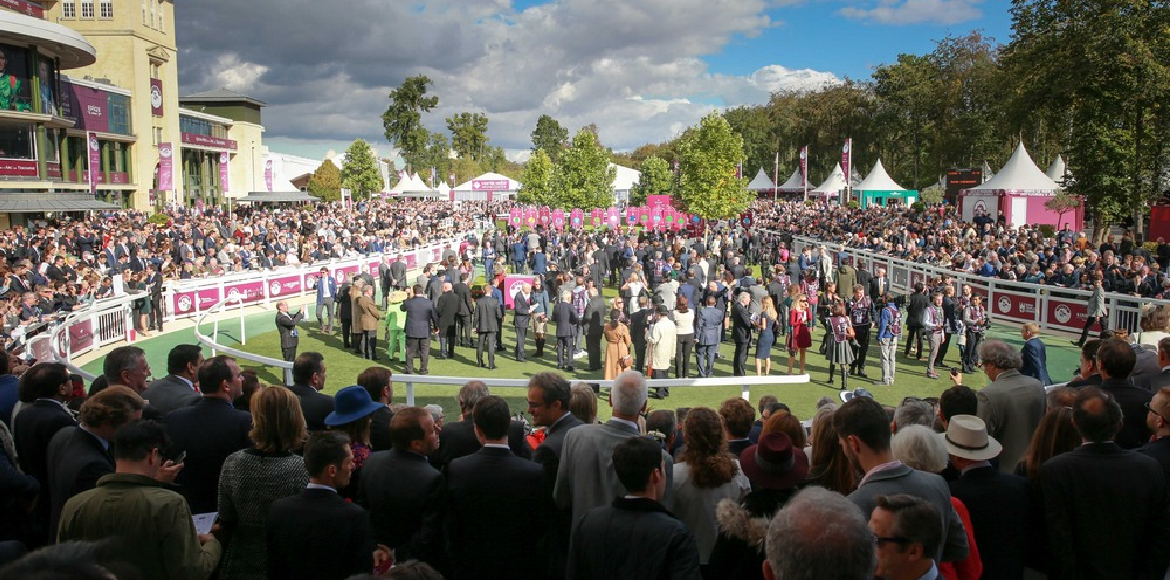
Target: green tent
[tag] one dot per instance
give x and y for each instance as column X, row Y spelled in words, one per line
column 879, row 189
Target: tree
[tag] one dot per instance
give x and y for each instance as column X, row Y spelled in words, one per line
column 932, row 195
column 437, row 155
column 536, row 182
column 583, row 179
column 468, row 134
column 1062, row 204
column 325, row 182
column 550, row 136
column 656, row 179
column 403, row 118
column 708, row 186
column 361, row 173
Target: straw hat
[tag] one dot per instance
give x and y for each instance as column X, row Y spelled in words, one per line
column 967, row 437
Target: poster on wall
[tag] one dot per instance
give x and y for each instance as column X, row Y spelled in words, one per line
column 224, row 160
column 156, row 97
column 15, row 86
column 165, row 166
column 95, row 161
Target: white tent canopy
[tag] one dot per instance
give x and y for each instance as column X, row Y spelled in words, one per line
column 987, row 172
column 794, row 183
column 1058, row 171
column 625, row 178
column 833, row 184
column 513, row 185
column 878, row 180
column 761, row 182
column 410, row 184
column 1018, row 174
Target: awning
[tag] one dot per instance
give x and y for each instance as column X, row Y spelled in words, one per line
column 277, row 197
column 43, row 205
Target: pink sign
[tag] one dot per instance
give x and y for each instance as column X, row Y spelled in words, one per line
column 512, row 285
column 644, row 216
column 515, row 216
column 490, row 185
column 245, row 291
column 166, row 167
column 156, row 97
column 545, row 216
column 613, row 218
column 25, row 7
column 343, row 273
column 1070, row 315
column 530, row 217
column 207, row 141
column 680, row 219
column 411, row 261
column 285, row 286
column 577, row 218
column 656, row 220
column 631, row 215
column 193, row 301
column 224, row 160
column 653, row 201
column 95, row 161
column 80, row 336
column 596, row 217
column 558, row 219
column 436, row 254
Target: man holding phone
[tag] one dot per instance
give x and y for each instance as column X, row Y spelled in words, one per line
column 287, row 325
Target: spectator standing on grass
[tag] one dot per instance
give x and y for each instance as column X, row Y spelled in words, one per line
column 1034, row 357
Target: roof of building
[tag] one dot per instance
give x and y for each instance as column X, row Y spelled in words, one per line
column 222, row 95
column 40, row 205
column 761, row 181
column 1018, row 174
column 73, row 50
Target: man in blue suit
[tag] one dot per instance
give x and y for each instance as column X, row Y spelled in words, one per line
column 709, row 321
column 326, row 293
column 1035, row 358
column 519, row 256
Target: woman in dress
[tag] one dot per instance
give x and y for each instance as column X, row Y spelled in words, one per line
column 251, row 479
column 617, row 345
column 799, row 337
column 540, row 313
column 707, row 474
column 142, row 306
column 839, row 333
column 767, row 323
column 631, row 290
column 684, row 322
column 353, row 409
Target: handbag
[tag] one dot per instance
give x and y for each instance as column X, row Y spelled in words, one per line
column 626, row 361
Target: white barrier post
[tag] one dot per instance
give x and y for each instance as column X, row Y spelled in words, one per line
column 243, row 333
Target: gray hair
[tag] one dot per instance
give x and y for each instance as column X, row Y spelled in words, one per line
column 470, row 394
column 920, row 448
column 121, row 359
column 913, row 412
column 628, row 394
column 820, row 534
column 436, row 412
column 998, row 354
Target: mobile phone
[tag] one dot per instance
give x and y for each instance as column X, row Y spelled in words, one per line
column 954, row 372
column 181, row 457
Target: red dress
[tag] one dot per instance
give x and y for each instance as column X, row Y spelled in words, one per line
column 800, row 337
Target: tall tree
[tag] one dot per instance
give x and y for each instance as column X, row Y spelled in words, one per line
column 536, row 181
column 361, row 173
column 550, row 136
column 656, row 179
column 325, row 182
column 583, row 179
column 403, row 118
column 708, row 186
column 468, row 134
column 437, row 155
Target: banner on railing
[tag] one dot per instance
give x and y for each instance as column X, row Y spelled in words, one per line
column 80, row 336
column 285, row 286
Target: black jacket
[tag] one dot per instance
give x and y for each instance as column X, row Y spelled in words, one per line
column 918, row 304
column 208, row 432
column 380, row 429
column 565, row 319
column 317, row 535
column 287, row 325
column 999, row 505
column 448, row 307
column 404, row 495
column 739, row 548
column 1134, row 432
column 458, row 440
column 420, row 317
column 314, row 405
column 638, row 537
column 76, row 461
column 741, row 323
column 33, row 428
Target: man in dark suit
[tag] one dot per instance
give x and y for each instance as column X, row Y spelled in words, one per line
column 35, row 426
column 707, row 323
column 548, row 402
column 1159, row 424
column 458, row 438
column 566, row 320
column 287, row 325
column 448, row 308
column 463, row 319
column 521, row 315
column 1155, row 382
column 1105, row 508
column 994, row 500
column 398, row 273
column 308, row 379
column 79, row 456
column 1115, row 360
column 485, row 491
column 208, row 432
column 318, row 535
column 403, row 492
column 489, row 315
column 1090, row 371
column 595, row 317
column 421, row 318
column 1034, row 355
column 177, row 389
column 914, row 311
column 741, row 320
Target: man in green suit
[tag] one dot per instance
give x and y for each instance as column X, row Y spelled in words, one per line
column 395, row 322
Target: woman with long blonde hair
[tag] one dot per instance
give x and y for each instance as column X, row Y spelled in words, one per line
column 767, row 323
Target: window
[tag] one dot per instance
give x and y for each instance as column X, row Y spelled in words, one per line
column 161, row 12
column 69, row 9
column 87, row 8
column 107, row 8
column 119, row 109
column 153, row 10
column 16, row 141
column 154, row 70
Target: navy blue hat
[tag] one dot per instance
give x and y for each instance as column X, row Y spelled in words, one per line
column 351, row 404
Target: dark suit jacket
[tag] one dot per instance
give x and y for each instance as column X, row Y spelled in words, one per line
column 521, row 310
column 76, row 461
column 1154, row 382
column 741, row 322
column 463, row 291
column 458, row 440
column 998, row 504
column 380, row 429
column 548, row 453
column 639, row 322
column 489, row 314
column 918, row 304
column 420, row 317
column 873, row 286
column 33, row 428
column 595, row 316
column 1035, row 361
column 317, row 535
column 208, row 431
column 565, row 319
column 287, row 325
column 448, row 308
column 1160, row 450
column 555, row 544
column 1134, row 432
column 170, row 393
column 314, row 404
column 405, row 497
column 1093, row 380
column 485, row 492
column 1105, row 511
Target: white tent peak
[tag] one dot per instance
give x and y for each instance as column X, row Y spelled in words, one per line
column 794, row 182
column 624, row 178
column 1020, row 173
column 761, row 181
column 834, row 183
column 1058, row 171
column 987, row 172
column 878, row 180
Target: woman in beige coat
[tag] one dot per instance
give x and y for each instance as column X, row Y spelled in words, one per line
column 367, row 315
column 617, row 345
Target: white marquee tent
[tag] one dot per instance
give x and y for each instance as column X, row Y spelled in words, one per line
column 761, row 182
column 1019, row 190
column 832, row 185
column 468, row 190
column 1058, row 171
column 794, row 184
column 623, row 181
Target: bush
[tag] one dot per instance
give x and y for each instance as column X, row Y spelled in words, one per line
column 1151, row 246
column 159, row 219
column 1046, row 230
column 854, row 204
column 918, row 206
column 810, row 203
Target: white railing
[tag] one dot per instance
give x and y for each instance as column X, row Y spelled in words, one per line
column 1051, row 307
column 103, row 322
column 216, row 348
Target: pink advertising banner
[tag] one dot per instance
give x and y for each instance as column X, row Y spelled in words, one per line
column 1014, row 306
column 577, row 218
column 285, row 286
column 156, row 97
column 515, row 216
column 343, row 273
column 436, row 254
column 490, row 185
column 245, row 291
column 207, row 141
column 24, row 6
column 411, row 261
column 165, row 167
column 631, row 215
column 224, row 161
column 613, row 217
column 644, row 216
column 268, row 174
column 95, row 161
column 680, row 220
column 1070, row 315
column 80, row 336
column 558, row 219
column 653, row 201
column 511, row 287
column 595, row 217
column 656, row 217
column 530, row 217
column 188, row 301
column 545, row 216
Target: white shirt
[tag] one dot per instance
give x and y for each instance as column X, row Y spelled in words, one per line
column 320, row 486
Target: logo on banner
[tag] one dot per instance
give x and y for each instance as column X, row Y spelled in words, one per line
column 311, row 282
column 1063, row 314
column 233, row 295
column 274, row 288
column 156, row 96
column 981, row 206
column 1005, row 304
column 185, row 304
column 164, row 150
column 93, row 143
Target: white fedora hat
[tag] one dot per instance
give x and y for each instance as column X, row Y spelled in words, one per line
column 967, row 437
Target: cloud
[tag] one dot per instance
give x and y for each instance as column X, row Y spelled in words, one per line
column 943, row 12
column 633, row 68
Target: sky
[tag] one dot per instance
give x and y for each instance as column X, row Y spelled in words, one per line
column 642, row 70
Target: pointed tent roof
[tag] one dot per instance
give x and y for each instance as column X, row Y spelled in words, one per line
column 1018, row 174
column 834, row 183
column 987, row 172
column 878, row 180
column 410, row 184
column 761, row 181
column 794, row 182
column 1058, row 171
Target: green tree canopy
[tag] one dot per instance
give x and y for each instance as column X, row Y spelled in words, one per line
column 361, row 173
column 468, row 134
column 656, row 179
column 550, row 136
column 403, row 118
column 708, row 187
column 325, row 182
column 583, row 178
column 536, row 182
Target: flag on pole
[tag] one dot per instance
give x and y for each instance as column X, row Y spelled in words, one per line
column 433, row 174
column 847, row 160
column 739, row 171
column 804, row 166
column 776, row 174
